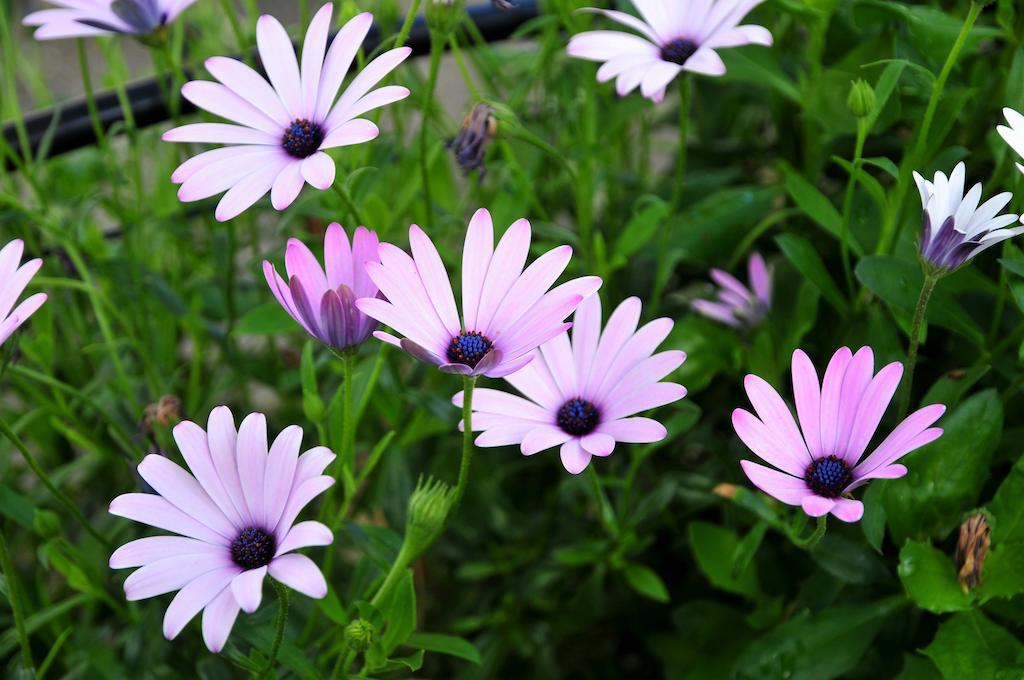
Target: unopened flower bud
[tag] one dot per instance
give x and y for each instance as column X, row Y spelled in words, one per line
column 470, row 146
column 725, row 490
column 429, row 505
column 443, row 16
column 359, row 634
column 861, row 100
column 166, row 412
column 971, row 550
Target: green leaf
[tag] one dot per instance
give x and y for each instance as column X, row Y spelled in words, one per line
column 899, row 281
column 645, row 581
column 816, row 205
column 951, row 388
column 312, row 404
column 816, row 646
column 929, row 577
column 969, row 645
column 445, row 644
column 946, row 476
column 883, row 163
column 265, row 319
column 1013, row 266
column 399, row 610
column 642, row 227
column 1007, row 507
column 714, row 547
column 1003, row 573
column 873, row 521
column 848, row 560
column 807, row 261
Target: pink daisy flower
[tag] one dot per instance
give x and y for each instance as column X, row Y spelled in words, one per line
column 84, row 18
column 677, row 37
column 506, row 312
column 281, row 129
column 582, row 394
column 324, row 302
column 736, row 305
column 13, row 280
column 235, row 516
column 820, row 461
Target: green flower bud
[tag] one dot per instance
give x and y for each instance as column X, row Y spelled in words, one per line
column 359, row 634
column 429, row 505
column 861, row 101
column 443, row 16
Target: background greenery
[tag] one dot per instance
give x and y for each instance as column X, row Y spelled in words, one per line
column 151, row 297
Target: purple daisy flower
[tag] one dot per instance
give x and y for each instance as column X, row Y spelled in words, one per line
column 285, row 126
column 956, row 228
column 14, row 277
column 323, row 302
column 581, row 394
column 84, row 18
column 677, row 37
column 506, row 312
column 235, row 516
column 736, row 305
column 820, row 461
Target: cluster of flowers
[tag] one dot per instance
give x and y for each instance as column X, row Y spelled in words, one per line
column 235, row 510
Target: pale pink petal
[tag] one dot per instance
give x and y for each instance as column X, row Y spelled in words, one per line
column 775, row 415
column 338, row 258
column 605, row 45
column 807, row 394
column 192, row 442
column 155, row 511
column 705, row 61
column 504, row 368
column 542, row 438
column 382, row 96
column 505, row 267
column 252, row 461
column 299, row 499
column 220, row 133
column 298, row 572
column 251, row 86
column 658, row 76
column 435, row 279
column 557, row 355
column 506, row 432
column 373, row 73
column 191, row 599
column 873, row 402
column 218, row 619
column 627, row 20
column 222, row 437
column 816, row 506
column 287, row 186
column 644, row 399
column 767, row 445
column 620, row 328
column 717, row 312
column 183, row 491
column 305, row 535
column 476, row 258
column 855, row 381
column 786, row 488
column 278, row 59
column 634, row 430
column 574, row 458
column 221, row 101
column 170, row 574
column 912, row 433
column 221, row 175
column 247, row 588
column 598, row 443
column 848, row 510
column 312, row 464
column 250, row 189
column 536, row 382
column 319, row 170
column 633, row 355
column 152, row 548
column 502, row 403
column 740, row 35
column 528, row 289
column 586, row 331
column 350, row 132
column 338, row 60
column 280, row 472
column 760, row 278
column 831, row 401
column 313, row 47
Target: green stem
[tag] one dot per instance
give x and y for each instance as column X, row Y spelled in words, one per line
column 14, row 598
column 68, row 504
column 348, row 420
column 282, row 618
column 891, row 224
column 371, row 383
column 410, row 17
column 814, row 538
column 604, row 507
column 436, row 50
column 930, row 279
column 685, row 96
column 90, row 97
column 858, row 152
column 453, row 43
column 395, row 574
column 228, row 9
column 347, row 202
column 341, row 665
column 468, row 383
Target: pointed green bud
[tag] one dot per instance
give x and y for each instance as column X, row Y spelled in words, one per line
column 443, row 16
column 861, row 101
column 429, row 505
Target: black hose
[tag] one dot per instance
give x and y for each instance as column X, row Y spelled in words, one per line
column 72, row 126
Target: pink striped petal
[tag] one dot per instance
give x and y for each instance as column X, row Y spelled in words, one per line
column 476, row 258
column 786, row 488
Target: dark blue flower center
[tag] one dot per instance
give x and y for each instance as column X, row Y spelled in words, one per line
column 302, row 138
column 828, row 476
column 254, row 548
column 469, row 348
column 678, row 51
column 578, row 417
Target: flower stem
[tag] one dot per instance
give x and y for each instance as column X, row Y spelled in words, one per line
column 282, row 618
column 604, row 507
column 436, row 50
column 468, row 383
column 814, row 538
column 395, row 574
column 685, row 95
column 14, row 598
column 348, row 422
column 341, row 665
column 891, row 224
column 347, row 202
column 930, row 279
column 12, row 436
column 410, row 17
column 90, row 97
column 858, row 152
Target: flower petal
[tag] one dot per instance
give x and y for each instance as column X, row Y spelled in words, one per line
column 299, row 573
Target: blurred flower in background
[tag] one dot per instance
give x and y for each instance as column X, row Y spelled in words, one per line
column 14, row 277
column 83, row 18
column 506, row 312
column 677, row 37
column 581, row 394
column 477, row 133
column 956, row 228
column 284, row 126
column 820, row 461
column 1014, row 133
column 736, row 305
column 322, row 299
column 235, row 516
